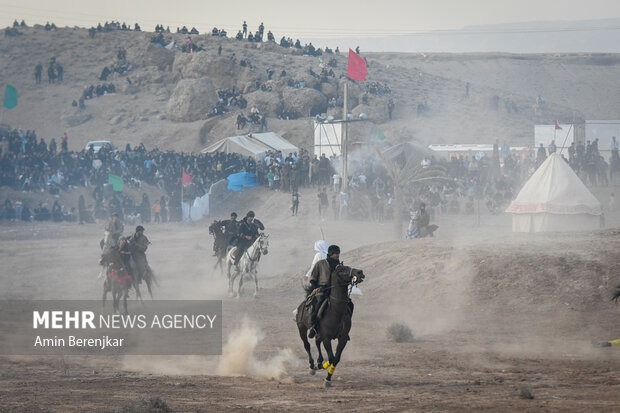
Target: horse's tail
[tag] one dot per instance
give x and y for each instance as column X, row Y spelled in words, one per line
column 616, row 295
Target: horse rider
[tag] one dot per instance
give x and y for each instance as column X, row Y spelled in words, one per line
column 419, row 222
column 139, row 243
column 320, row 281
column 115, row 230
column 231, row 228
column 320, row 247
column 248, row 232
column 125, row 251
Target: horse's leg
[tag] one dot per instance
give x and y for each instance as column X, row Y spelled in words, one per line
column 319, row 360
column 230, row 279
column 342, row 342
column 137, row 288
column 329, row 365
column 105, row 292
column 221, row 260
column 255, row 272
column 148, row 278
column 303, row 333
column 115, row 298
column 125, row 295
column 241, row 277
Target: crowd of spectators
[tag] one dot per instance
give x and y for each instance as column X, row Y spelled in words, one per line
column 93, row 91
column 112, row 26
column 30, row 164
column 229, row 99
column 377, row 88
column 469, row 182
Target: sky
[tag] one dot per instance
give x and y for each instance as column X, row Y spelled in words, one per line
column 307, row 19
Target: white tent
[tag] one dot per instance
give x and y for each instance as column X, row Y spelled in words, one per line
column 554, row 199
column 253, row 144
column 239, row 144
column 276, row 142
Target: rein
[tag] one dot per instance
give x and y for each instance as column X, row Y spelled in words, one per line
column 351, row 284
column 247, row 252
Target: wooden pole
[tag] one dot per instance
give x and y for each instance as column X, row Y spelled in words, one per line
column 344, row 150
column 182, row 194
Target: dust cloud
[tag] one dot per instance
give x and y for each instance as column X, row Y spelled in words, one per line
column 239, row 359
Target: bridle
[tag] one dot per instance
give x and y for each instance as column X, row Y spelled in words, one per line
column 258, row 249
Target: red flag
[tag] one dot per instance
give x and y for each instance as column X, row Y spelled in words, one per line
column 187, row 178
column 357, row 67
column 557, row 126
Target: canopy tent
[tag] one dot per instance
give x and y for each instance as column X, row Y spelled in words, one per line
column 554, row 199
column 276, row 142
column 252, row 144
column 243, row 145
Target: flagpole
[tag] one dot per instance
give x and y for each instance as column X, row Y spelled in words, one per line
column 182, row 194
column 345, row 138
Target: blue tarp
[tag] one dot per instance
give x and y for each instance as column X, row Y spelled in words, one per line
column 236, row 182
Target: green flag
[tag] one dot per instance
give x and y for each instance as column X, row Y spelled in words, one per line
column 116, row 181
column 380, row 135
column 10, row 97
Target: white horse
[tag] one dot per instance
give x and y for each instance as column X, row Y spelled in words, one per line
column 248, row 264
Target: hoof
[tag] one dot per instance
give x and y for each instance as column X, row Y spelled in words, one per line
column 312, row 371
column 328, row 383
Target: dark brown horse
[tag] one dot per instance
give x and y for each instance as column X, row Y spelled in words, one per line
column 335, row 322
column 221, row 244
column 117, row 279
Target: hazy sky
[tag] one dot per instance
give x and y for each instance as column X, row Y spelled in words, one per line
column 313, row 18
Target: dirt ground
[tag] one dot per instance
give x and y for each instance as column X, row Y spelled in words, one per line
column 493, row 315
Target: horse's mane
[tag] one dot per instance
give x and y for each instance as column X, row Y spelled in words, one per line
column 213, row 226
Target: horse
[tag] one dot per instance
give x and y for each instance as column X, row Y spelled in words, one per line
column 335, row 322
column 117, row 279
column 221, row 243
column 247, row 264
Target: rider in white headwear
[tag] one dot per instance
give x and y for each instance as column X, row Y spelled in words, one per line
column 321, row 253
column 321, row 247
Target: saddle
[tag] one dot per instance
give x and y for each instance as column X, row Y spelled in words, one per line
column 307, row 308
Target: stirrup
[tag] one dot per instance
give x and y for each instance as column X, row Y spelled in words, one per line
column 312, row 333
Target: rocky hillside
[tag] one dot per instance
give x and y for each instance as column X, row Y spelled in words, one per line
column 171, row 93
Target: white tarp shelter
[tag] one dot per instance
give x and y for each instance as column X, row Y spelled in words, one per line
column 554, row 199
column 276, row 142
column 198, row 210
column 327, row 138
column 253, row 144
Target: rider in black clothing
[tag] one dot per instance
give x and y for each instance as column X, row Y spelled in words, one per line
column 248, row 232
column 231, row 228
